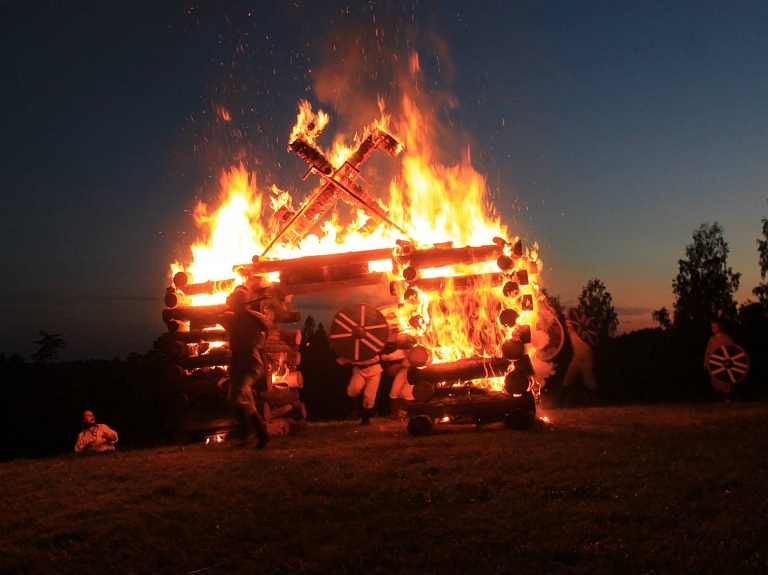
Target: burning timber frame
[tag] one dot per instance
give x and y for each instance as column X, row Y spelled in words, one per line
column 197, row 349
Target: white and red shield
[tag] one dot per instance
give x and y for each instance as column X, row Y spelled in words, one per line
column 583, row 326
column 359, row 332
column 729, row 364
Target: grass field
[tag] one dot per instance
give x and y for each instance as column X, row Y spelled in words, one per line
column 662, row 489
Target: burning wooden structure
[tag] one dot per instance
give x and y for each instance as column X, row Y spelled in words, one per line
column 475, row 328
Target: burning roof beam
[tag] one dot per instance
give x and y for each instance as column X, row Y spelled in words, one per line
column 338, row 182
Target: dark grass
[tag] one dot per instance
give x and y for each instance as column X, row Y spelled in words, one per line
column 663, row 489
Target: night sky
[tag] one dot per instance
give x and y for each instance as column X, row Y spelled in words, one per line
column 608, row 132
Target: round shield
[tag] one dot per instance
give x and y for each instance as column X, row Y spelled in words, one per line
column 555, row 332
column 729, row 364
column 583, row 326
column 359, row 332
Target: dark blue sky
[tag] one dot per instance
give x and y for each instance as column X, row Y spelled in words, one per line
column 608, row 132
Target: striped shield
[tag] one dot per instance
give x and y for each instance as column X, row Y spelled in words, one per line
column 729, row 364
column 359, row 332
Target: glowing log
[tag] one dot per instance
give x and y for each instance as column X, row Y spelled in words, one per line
column 458, row 283
column 373, row 278
column 262, row 266
column 337, row 182
column 174, row 298
column 210, row 359
column 322, row 274
column 462, row 370
column 209, row 287
column 198, row 336
column 480, row 409
column 419, row 356
column 377, row 138
column 440, row 257
column 311, row 155
column 423, row 391
column 180, row 279
column 200, row 313
column 293, row 380
column 276, row 396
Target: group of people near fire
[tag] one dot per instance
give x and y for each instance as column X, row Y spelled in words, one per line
column 247, row 330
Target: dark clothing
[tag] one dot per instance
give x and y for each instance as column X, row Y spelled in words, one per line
column 245, row 329
column 246, row 333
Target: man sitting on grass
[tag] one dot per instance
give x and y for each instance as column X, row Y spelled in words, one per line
column 95, row 436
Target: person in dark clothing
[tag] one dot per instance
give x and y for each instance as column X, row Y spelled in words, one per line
column 247, row 330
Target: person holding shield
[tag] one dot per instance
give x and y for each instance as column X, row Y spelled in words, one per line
column 582, row 337
column 718, row 339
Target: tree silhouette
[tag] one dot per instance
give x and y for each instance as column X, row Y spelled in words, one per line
column 662, row 316
column 309, row 328
column 597, row 304
column 50, row 344
column 705, row 285
column 553, row 301
column 761, row 291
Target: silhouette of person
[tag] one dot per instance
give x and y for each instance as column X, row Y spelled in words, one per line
column 247, row 330
column 718, row 339
column 581, row 365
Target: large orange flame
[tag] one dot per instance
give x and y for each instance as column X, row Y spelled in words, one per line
column 435, row 203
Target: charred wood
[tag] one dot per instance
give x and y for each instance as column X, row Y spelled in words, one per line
column 462, row 283
column 260, row 266
column 209, row 287
column 439, row 257
column 462, row 370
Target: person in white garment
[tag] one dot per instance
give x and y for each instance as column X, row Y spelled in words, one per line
column 364, row 383
column 401, row 390
column 95, row 437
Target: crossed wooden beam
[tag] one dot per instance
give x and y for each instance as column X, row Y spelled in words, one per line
column 337, row 182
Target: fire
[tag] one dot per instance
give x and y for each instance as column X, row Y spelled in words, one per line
column 218, row 438
column 433, row 205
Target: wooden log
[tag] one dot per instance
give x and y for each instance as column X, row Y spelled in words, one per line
column 263, row 266
column 372, row 278
column 323, row 274
column 201, row 335
column 290, row 336
column 294, row 379
column 181, row 350
column 199, row 313
column 210, row 359
column 457, row 283
column 277, row 396
column 487, row 408
column 209, row 287
column 419, row 356
column 463, row 370
column 440, row 257
column 175, row 298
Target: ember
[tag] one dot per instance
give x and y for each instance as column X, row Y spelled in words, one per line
column 477, row 331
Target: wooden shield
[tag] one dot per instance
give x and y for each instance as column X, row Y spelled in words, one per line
column 359, row 332
column 729, row 364
column 583, row 327
column 556, row 333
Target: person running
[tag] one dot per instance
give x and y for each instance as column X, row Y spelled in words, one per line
column 247, row 331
